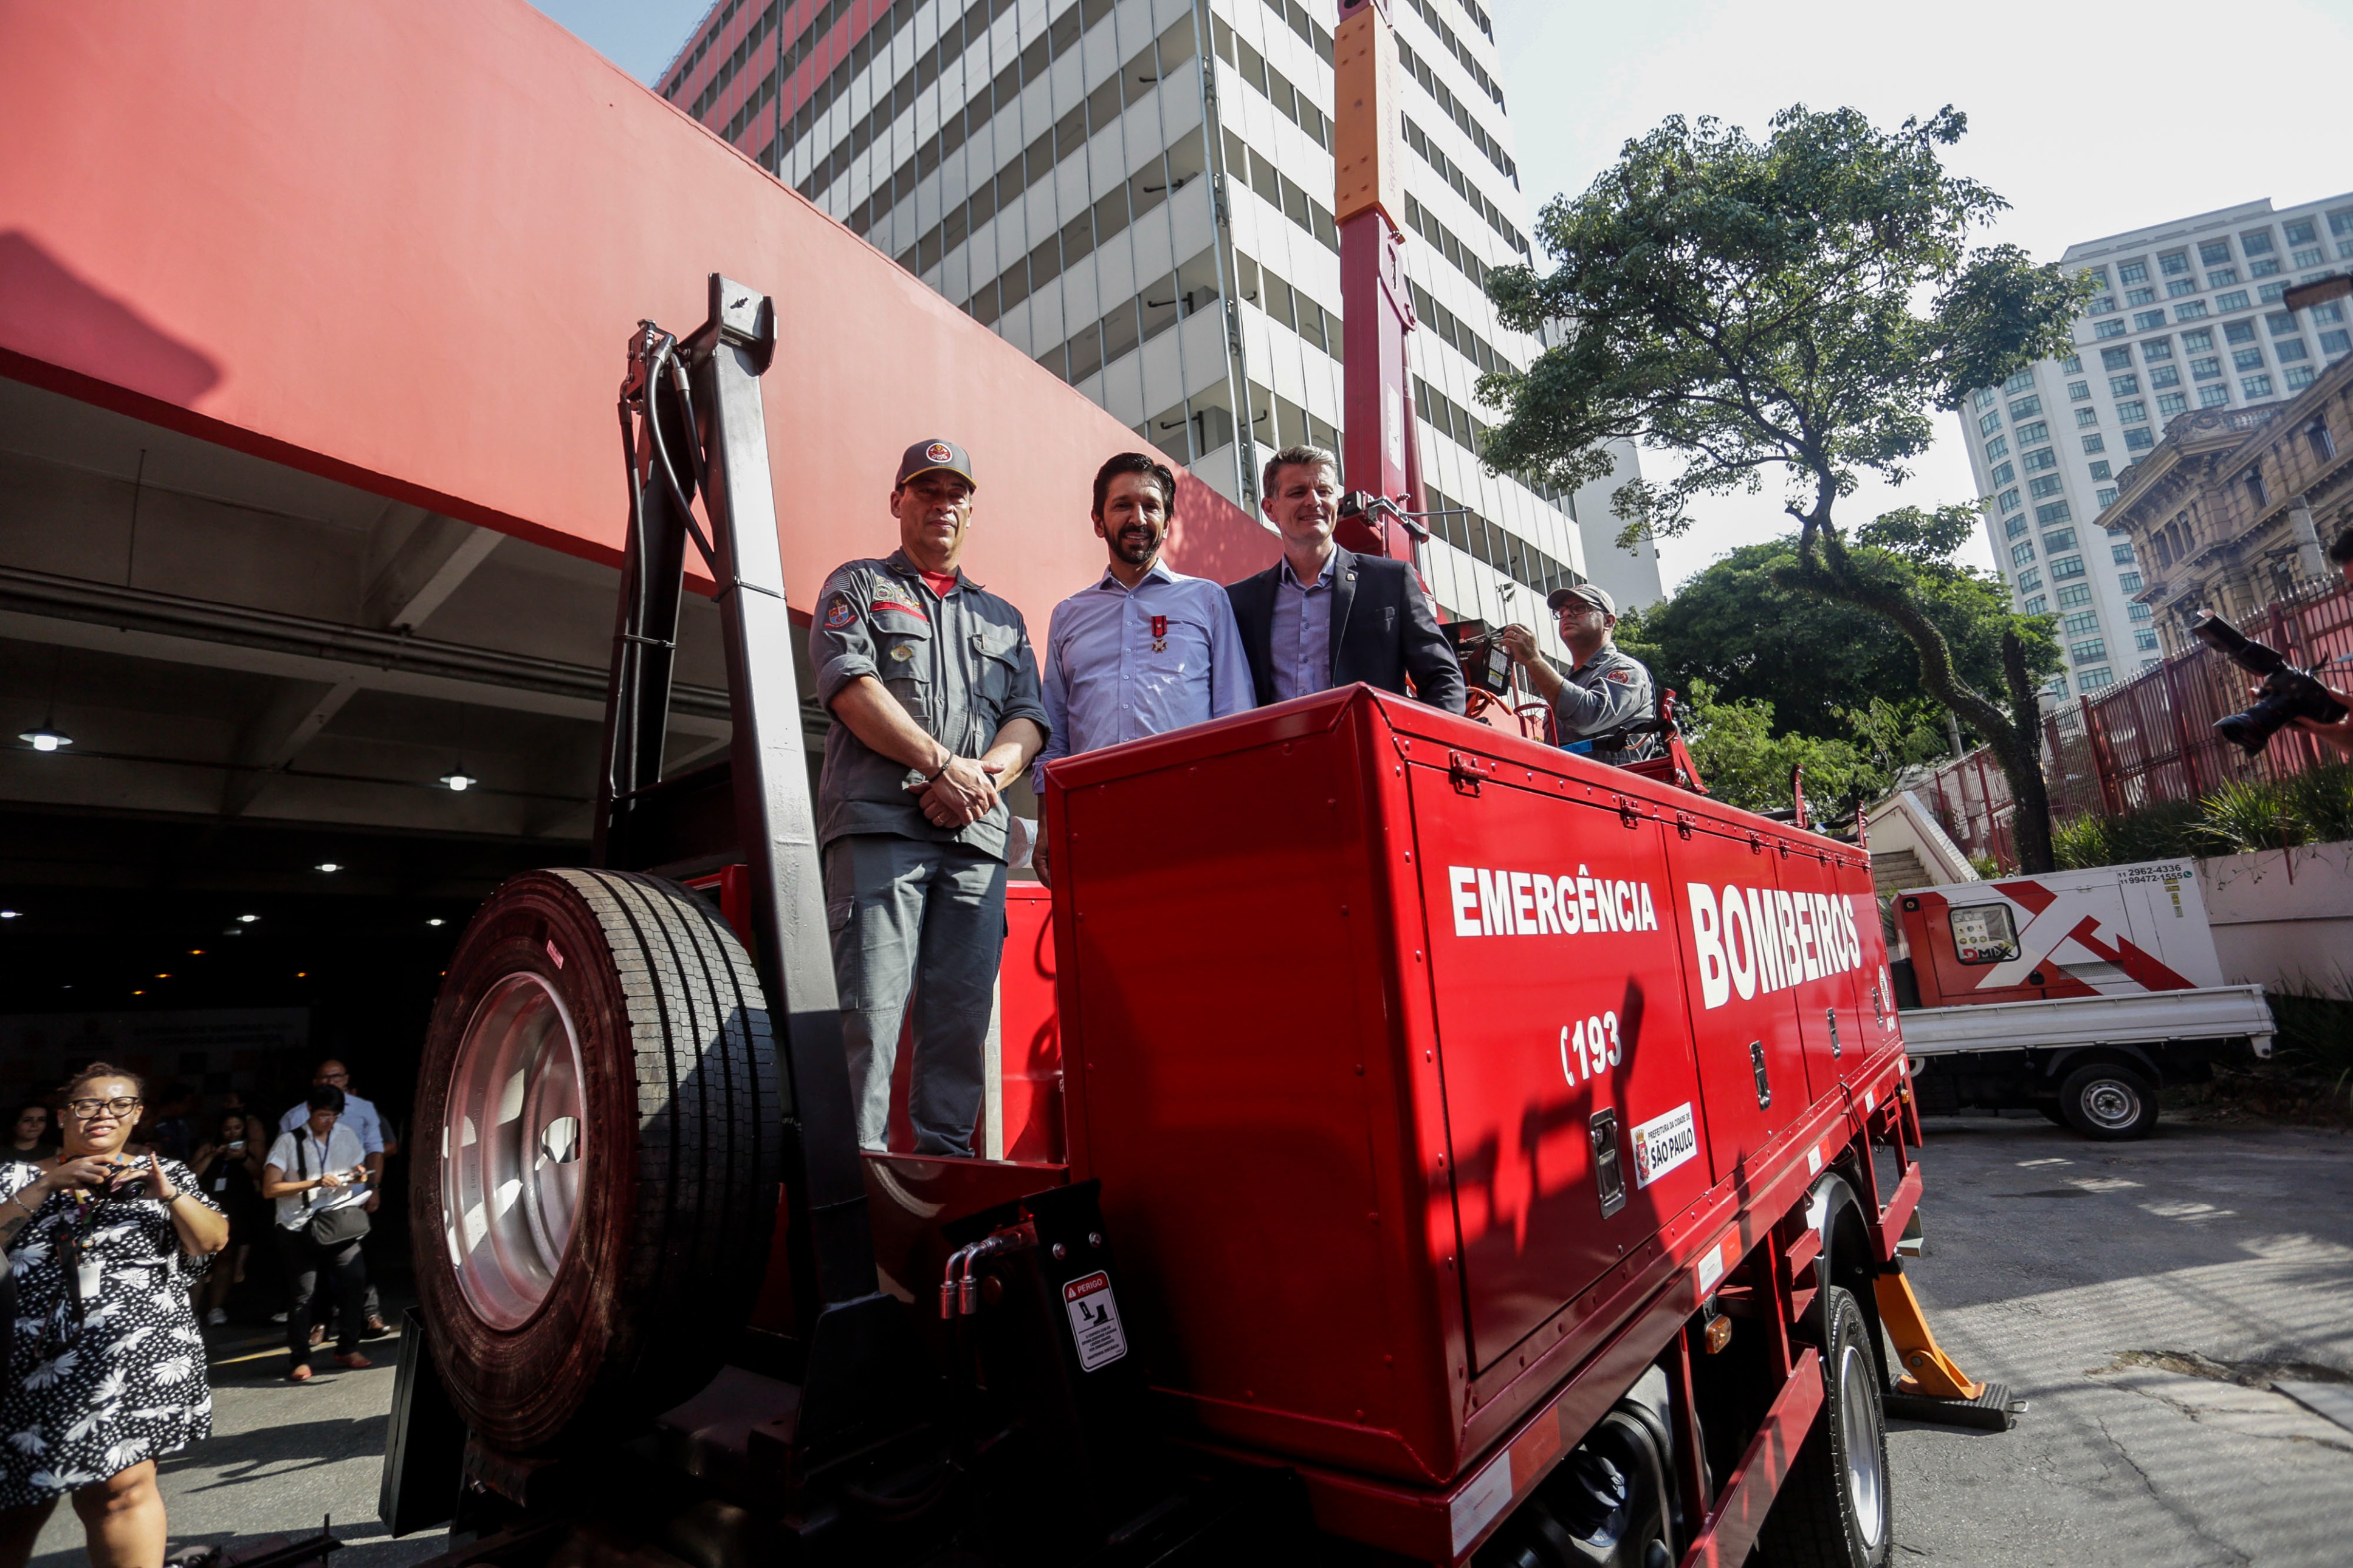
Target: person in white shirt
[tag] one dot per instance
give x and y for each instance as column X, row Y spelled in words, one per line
column 319, row 1178
column 360, row 1116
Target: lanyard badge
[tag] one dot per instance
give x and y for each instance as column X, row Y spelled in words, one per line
column 1160, row 634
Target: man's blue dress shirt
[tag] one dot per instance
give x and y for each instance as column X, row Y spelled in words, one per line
column 1106, row 681
column 1300, row 633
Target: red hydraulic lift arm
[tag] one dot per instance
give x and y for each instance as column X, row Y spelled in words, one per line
column 1380, row 449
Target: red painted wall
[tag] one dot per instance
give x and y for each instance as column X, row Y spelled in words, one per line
column 401, row 243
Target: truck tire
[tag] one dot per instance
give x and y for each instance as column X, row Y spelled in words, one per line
column 2108, row 1102
column 1833, row 1509
column 599, row 1089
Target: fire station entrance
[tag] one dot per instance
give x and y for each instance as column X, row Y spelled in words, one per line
column 266, row 742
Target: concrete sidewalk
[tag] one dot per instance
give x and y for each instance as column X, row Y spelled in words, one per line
column 282, row 1457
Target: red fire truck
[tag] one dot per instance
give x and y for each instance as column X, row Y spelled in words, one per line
column 1441, row 1148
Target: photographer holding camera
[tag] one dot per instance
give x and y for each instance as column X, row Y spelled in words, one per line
column 1606, row 690
column 106, row 1369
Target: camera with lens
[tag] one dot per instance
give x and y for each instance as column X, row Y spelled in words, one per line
column 2288, row 693
column 1479, row 649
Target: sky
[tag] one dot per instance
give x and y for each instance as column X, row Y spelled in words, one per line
column 2090, row 119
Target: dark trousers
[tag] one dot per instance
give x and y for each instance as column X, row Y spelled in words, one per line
column 305, row 1261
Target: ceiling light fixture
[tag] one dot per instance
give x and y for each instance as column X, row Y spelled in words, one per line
column 437, row 921
column 12, row 914
column 460, row 780
column 328, row 865
column 247, row 920
column 45, row 738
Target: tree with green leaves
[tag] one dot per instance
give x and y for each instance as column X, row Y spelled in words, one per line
column 1794, row 307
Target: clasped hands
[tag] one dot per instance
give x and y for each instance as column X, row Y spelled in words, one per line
column 962, row 792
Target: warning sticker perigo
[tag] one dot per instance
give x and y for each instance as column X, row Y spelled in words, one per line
column 1094, row 1320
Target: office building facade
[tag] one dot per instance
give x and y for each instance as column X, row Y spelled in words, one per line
column 1136, row 192
column 2186, row 316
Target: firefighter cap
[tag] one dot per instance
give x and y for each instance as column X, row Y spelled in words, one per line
column 935, row 456
column 1591, row 594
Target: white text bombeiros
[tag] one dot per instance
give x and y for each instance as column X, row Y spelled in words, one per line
column 1755, row 939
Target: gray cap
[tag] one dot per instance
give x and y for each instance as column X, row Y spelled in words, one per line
column 1590, row 593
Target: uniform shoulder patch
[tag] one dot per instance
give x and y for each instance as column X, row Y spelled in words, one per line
column 839, row 614
column 1622, row 677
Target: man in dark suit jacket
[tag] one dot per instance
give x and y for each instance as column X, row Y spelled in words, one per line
column 1324, row 616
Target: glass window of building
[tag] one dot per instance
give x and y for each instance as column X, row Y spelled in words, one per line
column 1999, row 447
column 2100, row 469
column 2189, row 310
column 2123, row 385
column 2213, row 252
column 2236, row 299
column 2095, row 442
column 2255, row 242
column 2131, row 411
column 2079, row 390
column 2073, row 596
column 2239, row 332
column 2254, row 386
column 2170, row 404
column 2116, row 358
column 2109, row 330
column 2139, row 439
column 2213, row 396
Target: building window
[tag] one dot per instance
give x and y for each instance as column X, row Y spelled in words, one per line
column 2121, row 554
column 2028, row 435
column 1983, row 397
column 2206, row 368
column 1989, row 423
column 2037, row 605
column 2165, row 375
column 2292, row 349
column 2074, row 596
column 2312, row 258
column 2095, row 680
column 2247, row 359
column 2131, row 412
column 2107, row 497
column 2188, row 310
column 2130, row 582
column 2022, row 382
column 2280, row 322
column 2144, row 638
column 2296, row 377
column 2222, row 278
column 2337, row 342
column 2142, row 296
column 2328, row 313
column 2269, row 267
column 2116, row 358
column 2255, row 242
column 2070, row 364
column 2236, row 299
column 2029, row 580
column 2086, row 416
column 2003, row 473
column 2109, row 330
column 2177, row 287
column 2155, row 349
column 2100, row 469
column 2133, row 271
column 2300, row 231
column 2139, row 439
column 2055, row 511
column 2123, row 385
column 2079, row 390
column 2090, row 652
column 2174, row 265
column 2025, row 408
column 2213, row 252
column 2012, row 527
column 2056, row 686
column 2147, row 321
column 2080, row 623
column 2104, row 305
column 2048, row 485
column 2321, row 439
column 2095, row 442
column 2019, row 555
column 2010, row 502
column 2099, row 275
column 1997, row 448
column 2198, row 341
column 2040, row 458
column 2213, row 396
column 2254, row 386
column 2170, row 404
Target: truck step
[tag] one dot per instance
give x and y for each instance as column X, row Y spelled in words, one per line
column 1993, row 1410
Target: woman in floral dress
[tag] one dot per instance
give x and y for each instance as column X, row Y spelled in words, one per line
column 106, row 1372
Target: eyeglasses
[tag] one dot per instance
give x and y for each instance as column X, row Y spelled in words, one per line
column 86, row 1109
column 332, row 1078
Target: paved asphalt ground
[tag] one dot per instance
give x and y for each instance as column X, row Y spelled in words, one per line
column 2114, row 1286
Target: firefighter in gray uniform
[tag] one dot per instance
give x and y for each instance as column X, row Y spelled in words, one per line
column 1606, row 690
column 934, row 689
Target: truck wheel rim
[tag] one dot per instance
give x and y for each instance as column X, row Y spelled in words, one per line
column 1866, row 1486
column 511, row 1150
column 2111, row 1104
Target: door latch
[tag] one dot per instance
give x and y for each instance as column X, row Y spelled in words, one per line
column 1830, row 1016
column 1756, row 1060
column 1608, row 1175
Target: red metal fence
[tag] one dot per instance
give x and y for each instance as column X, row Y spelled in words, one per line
column 2152, row 739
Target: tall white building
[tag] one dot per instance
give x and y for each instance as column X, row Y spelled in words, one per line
column 1137, row 193
column 2187, row 315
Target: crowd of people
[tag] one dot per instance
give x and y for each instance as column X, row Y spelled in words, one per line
column 127, row 1223
column 939, row 699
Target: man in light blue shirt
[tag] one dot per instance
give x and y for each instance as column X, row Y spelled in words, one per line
column 1145, row 650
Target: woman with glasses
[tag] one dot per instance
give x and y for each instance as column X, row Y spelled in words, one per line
column 106, row 1372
